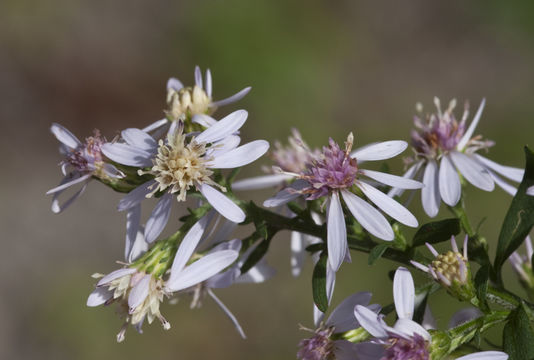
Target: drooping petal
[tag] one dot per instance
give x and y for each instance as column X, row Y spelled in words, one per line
column 509, row 172
column 243, row 155
column 222, row 204
column 473, row 171
column 115, row 275
column 503, row 184
column 430, row 194
column 369, row 320
column 139, row 139
column 204, row 120
column 411, row 173
column 485, row 355
column 140, row 246
column 342, row 318
column 229, row 143
column 67, row 182
column 236, row 97
column 201, row 269
column 65, row 136
column 224, row 127
column 336, row 232
column 286, row 195
column 57, row 207
column 139, row 292
column 175, row 84
column 99, row 296
column 134, row 197
column 261, row 182
column 228, row 313
column 393, row 180
column 408, row 328
column 127, row 155
column 380, row 151
column 463, row 316
column 133, row 219
column 158, row 218
column 403, row 293
column 155, row 125
column 450, row 188
column 469, row 132
column 370, row 218
column 389, row 205
column 188, row 245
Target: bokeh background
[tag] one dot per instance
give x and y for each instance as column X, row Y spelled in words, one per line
column 324, row 67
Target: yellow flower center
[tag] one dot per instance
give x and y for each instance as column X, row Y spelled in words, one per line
column 187, row 102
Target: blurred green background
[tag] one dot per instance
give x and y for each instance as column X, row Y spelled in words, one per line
column 324, row 67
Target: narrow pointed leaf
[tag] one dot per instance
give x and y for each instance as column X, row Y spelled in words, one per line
column 319, row 283
column 436, row 232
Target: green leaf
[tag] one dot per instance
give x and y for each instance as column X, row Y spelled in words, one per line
column 377, row 252
column 436, row 231
column 419, row 312
column 256, row 255
column 518, row 335
column 519, row 219
column 319, row 283
column 481, row 286
column 315, row 247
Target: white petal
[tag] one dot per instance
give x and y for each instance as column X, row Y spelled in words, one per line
column 380, row 151
column 65, row 136
column 228, row 313
column 140, row 246
column 220, row 147
column 261, row 182
column 368, row 217
column 139, row 292
column 243, row 155
column 403, row 293
column 222, row 204
column 463, row 316
column 429, row 322
column 393, row 180
column 469, row 133
column 368, row 319
column 345, row 350
column 430, row 194
column 198, row 77
column 115, row 275
column 337, row 232
column 155, row 125
column 175, row 84
column 286, row 195
column 369, row 351
column 204, row 120
column 298, row 253
column 111, row 171
column 224, row 127
column 135, row 196
column 57, row 207
column 208, row 83
column 408, row 328
column 139, row 139
column 503, row 184
column 530, row 191
column 330, row 281
column 485, row 355
column 133, row 218
column 67, row 182
column 257, row 274
column 473, row 171
column 127, row 155
column 224, row 279
column 188, row 245
column 99, row 296
column 389, row 205
column 512, row 173
column 202, row 269
column 450, row 188
column 342, row 318
column 158, row 218
column 318, row 316
column 409, row 174
column 233, row 98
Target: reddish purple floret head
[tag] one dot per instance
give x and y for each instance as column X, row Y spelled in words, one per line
column 318, row 347
column 83, row 159
column 414, row 348
column 335, row 170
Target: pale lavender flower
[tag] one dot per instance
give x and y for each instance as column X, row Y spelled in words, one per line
column 406, row 339
column 81, row 162
column 530, row 191
column 321, row 345
column 522, row 264
column 334, row 175
column 182, row 163
column 443, row 148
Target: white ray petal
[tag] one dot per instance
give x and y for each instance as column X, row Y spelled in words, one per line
column 67, row 182
column 389, row 205
column 188, row 245
column 509, row 172
column 115, row 275
column 430, row 194
column 243, row 155
column 369, row 320
column 503, row 184
column 175, row 84
column 380, row 151
column 155, row 125
column 469, row 132
column 133, row 218
column 140, row 139
column 404, row 293
column 393, row 180
column 224, row 127
column 198, row 77
column 342, row 317
column 337, row 232
column 135, row 196
column 65, row 136
column 473, row 172
column 463, row 316
column 369, row 218
column 286, row 195
column 411, row 173
column 139, row 292
column 222, row 204
column 409, row 328
column 450, row 188
column 298, row 253
column 57, row 207
column 229, row 143
column 158, row 218
column 127, row 155
column 228, row 313
column 201, row 269
column 99, row 296
column 530, row 191
column 485, row 355
column 204, row 120
column 261, row 182
column 236, row 97
column 209, row 83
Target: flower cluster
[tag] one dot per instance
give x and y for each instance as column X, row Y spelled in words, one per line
column 328, row 198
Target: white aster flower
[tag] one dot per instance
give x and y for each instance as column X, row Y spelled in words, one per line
column 182, row 163
column 444, row 148
column 336, row 174
column 82, row 162
column 406, row 339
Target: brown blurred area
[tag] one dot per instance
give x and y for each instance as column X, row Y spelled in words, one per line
column 324, row 67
